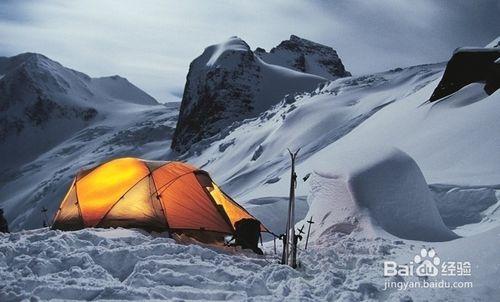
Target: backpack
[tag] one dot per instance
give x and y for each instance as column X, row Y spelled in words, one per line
column 247, row 233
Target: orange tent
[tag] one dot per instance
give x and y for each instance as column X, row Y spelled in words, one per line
column 153, row 195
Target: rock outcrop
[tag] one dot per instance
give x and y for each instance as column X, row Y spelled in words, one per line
column 305, row 56
column 229, row 83
column 470, row 65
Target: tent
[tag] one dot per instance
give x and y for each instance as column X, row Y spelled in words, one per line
column 152, row 195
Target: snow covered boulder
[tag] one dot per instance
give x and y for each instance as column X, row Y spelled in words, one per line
column 375, row 188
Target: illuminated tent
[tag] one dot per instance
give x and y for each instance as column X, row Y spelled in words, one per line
column 152, row 195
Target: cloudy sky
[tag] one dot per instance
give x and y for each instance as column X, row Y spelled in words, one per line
column 152, row 42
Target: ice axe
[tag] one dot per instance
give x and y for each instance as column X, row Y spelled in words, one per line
column 310, row 221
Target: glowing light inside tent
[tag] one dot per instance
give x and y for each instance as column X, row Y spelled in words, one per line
column 100, row 189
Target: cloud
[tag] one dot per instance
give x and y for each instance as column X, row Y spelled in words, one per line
column 153, row 42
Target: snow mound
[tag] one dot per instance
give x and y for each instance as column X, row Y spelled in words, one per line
column 385, row 184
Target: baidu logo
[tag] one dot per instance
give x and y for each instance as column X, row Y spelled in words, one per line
column 427, row 264
column 429, row 270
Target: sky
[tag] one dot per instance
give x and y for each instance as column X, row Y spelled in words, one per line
column 152, row 42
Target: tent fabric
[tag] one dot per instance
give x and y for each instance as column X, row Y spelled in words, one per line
column 153, row 195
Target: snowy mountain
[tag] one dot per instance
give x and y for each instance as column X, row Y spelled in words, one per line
column 305, row 56
column 55, row 121
column 229, row 83
column 383, row 173
column 253, row 157
column 43, row 103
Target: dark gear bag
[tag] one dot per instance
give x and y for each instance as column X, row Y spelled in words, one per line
column 247, row 233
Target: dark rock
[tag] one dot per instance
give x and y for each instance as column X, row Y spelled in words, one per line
column 470, row 65
column 229, row 83
column 305, row 56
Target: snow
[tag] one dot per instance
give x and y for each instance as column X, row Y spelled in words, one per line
column 232, row 83
column 389, row 174
column 231, row 45
column 97, row 264
column 494, row 43
column 279, row 81
column 386, row 182
column 273, row 210
column 305, row 56
column 276, row 81
column 118, row 88
column 46, row 103
column 134, row 130
column 312, row 121
column 451, row 140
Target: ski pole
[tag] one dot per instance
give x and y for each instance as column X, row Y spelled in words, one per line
column 310, row 221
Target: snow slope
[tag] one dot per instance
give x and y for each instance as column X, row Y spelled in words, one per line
column 450, row 140
column 251, row 158
column 42, row 103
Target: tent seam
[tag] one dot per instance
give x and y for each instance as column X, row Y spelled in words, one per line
column 157, row 195
column 118, row 200
column 78, row 205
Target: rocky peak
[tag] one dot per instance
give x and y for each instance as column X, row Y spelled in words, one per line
column 305, row 56
column 228, row 82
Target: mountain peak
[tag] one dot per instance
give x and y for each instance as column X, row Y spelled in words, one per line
column 305, row 56
column 217, row 53
column 30, row 58
column 229, row 83
column 299, row 40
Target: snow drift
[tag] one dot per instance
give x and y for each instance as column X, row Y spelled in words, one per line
column 386, row 182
